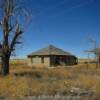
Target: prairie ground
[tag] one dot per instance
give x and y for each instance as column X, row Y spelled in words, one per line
column 73, row 82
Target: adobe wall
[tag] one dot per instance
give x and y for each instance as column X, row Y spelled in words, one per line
column 35, row 61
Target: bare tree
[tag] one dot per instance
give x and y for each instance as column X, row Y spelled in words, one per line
column 95, row 50
column 11, row 31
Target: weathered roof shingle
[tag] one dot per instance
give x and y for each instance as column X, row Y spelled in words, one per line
column 50, row 50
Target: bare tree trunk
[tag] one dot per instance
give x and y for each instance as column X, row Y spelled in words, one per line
column 5, row 64
column 9, row 25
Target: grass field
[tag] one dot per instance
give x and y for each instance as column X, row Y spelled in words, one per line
column 77, row 81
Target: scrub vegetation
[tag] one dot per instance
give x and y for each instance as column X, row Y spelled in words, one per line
column 25, row 81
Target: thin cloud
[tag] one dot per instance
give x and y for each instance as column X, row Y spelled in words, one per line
column 82, row 4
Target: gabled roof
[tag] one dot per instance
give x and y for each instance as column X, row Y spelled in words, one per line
column 50, row 50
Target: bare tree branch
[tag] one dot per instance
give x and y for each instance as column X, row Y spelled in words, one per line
column 15, row 38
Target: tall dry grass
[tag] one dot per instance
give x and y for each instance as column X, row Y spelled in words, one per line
column 24, row 80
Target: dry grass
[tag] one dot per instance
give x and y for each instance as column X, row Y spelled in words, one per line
column 24, row 80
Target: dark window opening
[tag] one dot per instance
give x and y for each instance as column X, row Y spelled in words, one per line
column 31, row 60
column 42, row 59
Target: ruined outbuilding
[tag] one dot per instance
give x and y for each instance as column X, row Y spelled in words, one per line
column 51, row 56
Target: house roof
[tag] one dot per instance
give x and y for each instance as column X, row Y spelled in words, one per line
column 50, row 50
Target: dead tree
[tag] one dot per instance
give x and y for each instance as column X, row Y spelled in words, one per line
column 9, row 27
column 96, row 51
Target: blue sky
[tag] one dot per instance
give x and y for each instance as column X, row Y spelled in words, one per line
column 67, row 24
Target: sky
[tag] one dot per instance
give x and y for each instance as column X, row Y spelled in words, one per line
column 66, row 24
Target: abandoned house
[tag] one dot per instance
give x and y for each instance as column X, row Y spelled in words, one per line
column 51, row 56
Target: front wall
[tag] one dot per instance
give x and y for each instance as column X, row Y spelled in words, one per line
column 47, row 61
column 38, row 61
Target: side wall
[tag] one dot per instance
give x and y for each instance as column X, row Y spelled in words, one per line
column 63, row 60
